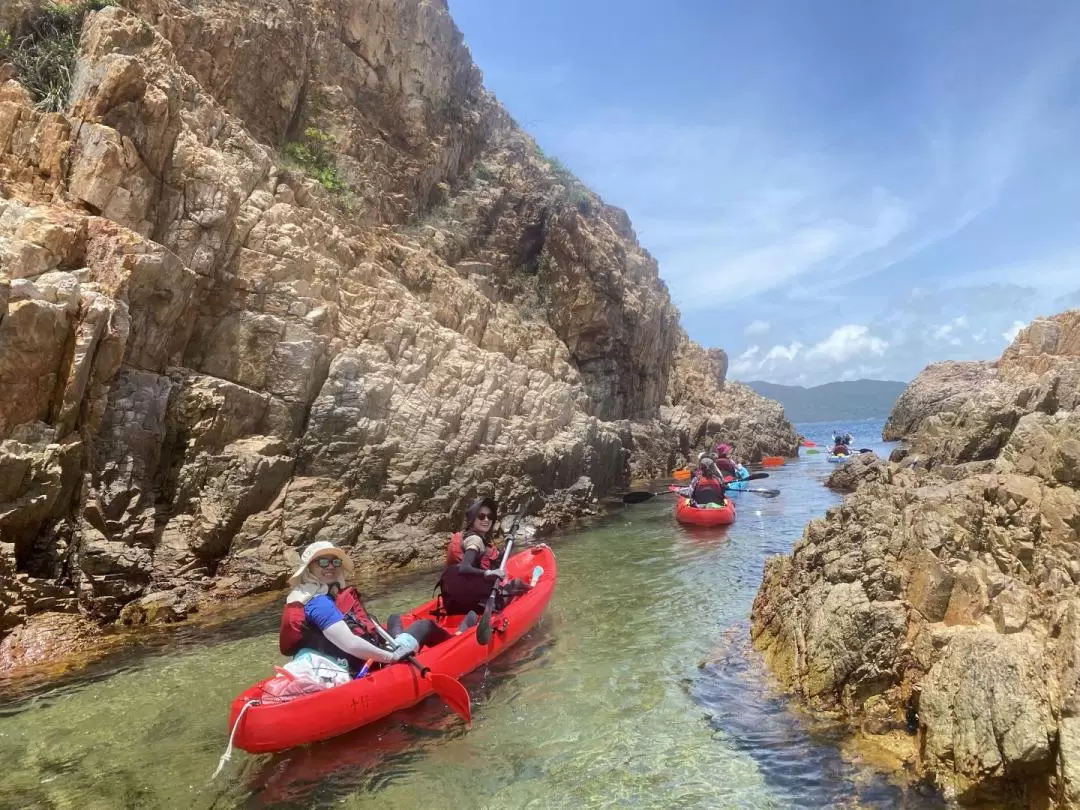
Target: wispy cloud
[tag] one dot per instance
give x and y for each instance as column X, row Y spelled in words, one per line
column 756, row 328
column 747, row 207
column 1014, row 330
column 823, row 209
column 848, row 341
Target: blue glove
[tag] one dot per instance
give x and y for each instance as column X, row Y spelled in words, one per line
column 404, row 644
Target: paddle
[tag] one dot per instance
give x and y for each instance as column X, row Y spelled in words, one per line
column 483, row 629
column 645, row 495
column 447, row 687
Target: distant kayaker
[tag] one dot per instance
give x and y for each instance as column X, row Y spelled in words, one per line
column 325, row 615
column 840, row 447
column 472, row 563
column 728, row 468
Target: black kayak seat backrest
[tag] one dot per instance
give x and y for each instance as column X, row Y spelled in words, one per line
column 706, row 495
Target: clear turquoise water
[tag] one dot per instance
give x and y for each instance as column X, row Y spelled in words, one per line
column 602, row 705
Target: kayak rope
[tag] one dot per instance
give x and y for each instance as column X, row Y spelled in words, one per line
column 228, row 749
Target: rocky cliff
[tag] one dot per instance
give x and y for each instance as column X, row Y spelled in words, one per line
column 942, row 595
column 272, row 273
column 955, row 412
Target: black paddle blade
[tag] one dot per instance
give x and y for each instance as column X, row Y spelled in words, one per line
column 483, row 629
column 766, row 493
column 755, row 477
column 638, row 497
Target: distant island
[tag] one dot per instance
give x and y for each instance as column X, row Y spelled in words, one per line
column 858, row 399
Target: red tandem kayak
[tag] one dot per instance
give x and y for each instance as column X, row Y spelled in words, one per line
column 703, row 516
column 275, row 726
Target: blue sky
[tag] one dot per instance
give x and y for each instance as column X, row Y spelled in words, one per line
column 833, row 190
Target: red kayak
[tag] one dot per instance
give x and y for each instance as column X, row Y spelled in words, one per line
column 275, row 726
column 685, row 512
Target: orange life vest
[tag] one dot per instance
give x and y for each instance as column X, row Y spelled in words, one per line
column 708, row 490
column 455, row 553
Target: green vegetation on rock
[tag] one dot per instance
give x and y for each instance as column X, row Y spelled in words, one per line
column 314, row 155
column 43, row 50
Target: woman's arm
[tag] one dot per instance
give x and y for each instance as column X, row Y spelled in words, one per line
column 468, row 565
column 343, row 638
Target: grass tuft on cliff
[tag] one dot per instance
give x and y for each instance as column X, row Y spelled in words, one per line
column 573, row 190
column 43, row 49
column 314, row 155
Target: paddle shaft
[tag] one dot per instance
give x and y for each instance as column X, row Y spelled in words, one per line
column 411, row 657
column 447, row 687
column 490, row 606
column 483, row 628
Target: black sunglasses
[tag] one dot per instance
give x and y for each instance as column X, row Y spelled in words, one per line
column 484, row 516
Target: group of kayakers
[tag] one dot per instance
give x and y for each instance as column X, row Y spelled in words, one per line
column 325, row 619
column 709, row 481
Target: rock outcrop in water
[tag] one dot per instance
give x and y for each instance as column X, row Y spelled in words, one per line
column 957, row 412
column 945, row 594
column 278, row 273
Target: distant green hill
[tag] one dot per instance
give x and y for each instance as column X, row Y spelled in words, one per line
column 858, row 399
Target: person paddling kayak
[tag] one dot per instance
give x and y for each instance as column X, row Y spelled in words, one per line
column 325, row 616
column 708, row 487
column 728, row 468
column 840, row 444
column 472, row 563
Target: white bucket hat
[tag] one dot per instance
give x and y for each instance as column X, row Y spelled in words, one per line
column 321, row 548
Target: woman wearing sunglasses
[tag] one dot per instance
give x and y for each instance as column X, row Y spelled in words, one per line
column 325, row 615
column 472, row 563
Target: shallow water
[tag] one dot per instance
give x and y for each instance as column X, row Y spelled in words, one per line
column 602, row 705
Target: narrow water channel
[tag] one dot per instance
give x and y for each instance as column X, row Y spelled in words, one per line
column 602, row 705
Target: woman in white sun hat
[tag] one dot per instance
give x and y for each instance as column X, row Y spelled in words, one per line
column 325, row 615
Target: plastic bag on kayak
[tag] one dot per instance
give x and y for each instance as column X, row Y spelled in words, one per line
column 319, row 668
column 287, row 686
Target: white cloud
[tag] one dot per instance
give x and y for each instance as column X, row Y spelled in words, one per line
column 756, row 328
column 846, row 342
column 745, row 363
column 1014, row 330
column 862, row 373
column 947, row 332
column 752, row 362
column 782, row 353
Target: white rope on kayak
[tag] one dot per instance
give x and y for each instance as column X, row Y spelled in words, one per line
column 228, row 749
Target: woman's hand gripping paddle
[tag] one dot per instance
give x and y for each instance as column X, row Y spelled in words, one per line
column 447, row 687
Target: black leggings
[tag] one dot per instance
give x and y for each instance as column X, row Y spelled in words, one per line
column 424, row 631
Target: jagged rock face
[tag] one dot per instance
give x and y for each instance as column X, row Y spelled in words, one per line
column 960, row 412
column 953, row 591
column 856, row 471
column 207, row 360
column 939, row 387
column 706, row 409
